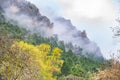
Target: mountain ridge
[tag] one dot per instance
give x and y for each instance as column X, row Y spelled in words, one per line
column 27, row 14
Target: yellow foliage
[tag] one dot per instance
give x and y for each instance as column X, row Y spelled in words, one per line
column 44, row 47
column 40, row 59
column 56, row 52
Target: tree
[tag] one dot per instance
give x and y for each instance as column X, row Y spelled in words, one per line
column 111, row 72
column 23, row 61
column 42, row 63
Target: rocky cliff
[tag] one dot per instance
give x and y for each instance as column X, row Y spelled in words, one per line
column 27, row 15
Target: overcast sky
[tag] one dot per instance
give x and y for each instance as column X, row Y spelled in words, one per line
column 94, row 16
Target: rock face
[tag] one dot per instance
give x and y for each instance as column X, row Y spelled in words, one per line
column 28, row 16
column 81, row 43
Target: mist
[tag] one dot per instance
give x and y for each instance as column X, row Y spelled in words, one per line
column 94, row 16
column 28, row 16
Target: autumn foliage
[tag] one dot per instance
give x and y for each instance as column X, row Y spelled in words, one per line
column 111, row 72
column 29, row 56
column 23, row 61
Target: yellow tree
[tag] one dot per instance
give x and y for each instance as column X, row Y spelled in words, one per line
column 42, row 61
column 23, row 61
column 12, row 60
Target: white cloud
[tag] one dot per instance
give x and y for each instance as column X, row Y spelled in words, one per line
column 86, row 10
column 95, row 16
column 90, row 11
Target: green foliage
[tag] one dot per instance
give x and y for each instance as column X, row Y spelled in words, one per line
column 77, row 70
column 78, row 65
column 67, row 65
column 48, row 65
column 11, row 31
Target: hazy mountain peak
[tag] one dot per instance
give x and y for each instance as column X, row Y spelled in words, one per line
column 28, row 16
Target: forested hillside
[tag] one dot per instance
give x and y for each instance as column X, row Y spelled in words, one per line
column 25, row 55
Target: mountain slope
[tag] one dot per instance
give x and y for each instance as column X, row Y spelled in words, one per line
column 28, row 16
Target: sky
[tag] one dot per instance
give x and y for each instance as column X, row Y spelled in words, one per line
column 94, row 16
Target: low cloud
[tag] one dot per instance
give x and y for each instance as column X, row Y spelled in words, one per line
column 88, row 10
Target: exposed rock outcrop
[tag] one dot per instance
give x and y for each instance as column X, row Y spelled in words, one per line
column 28, row 16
